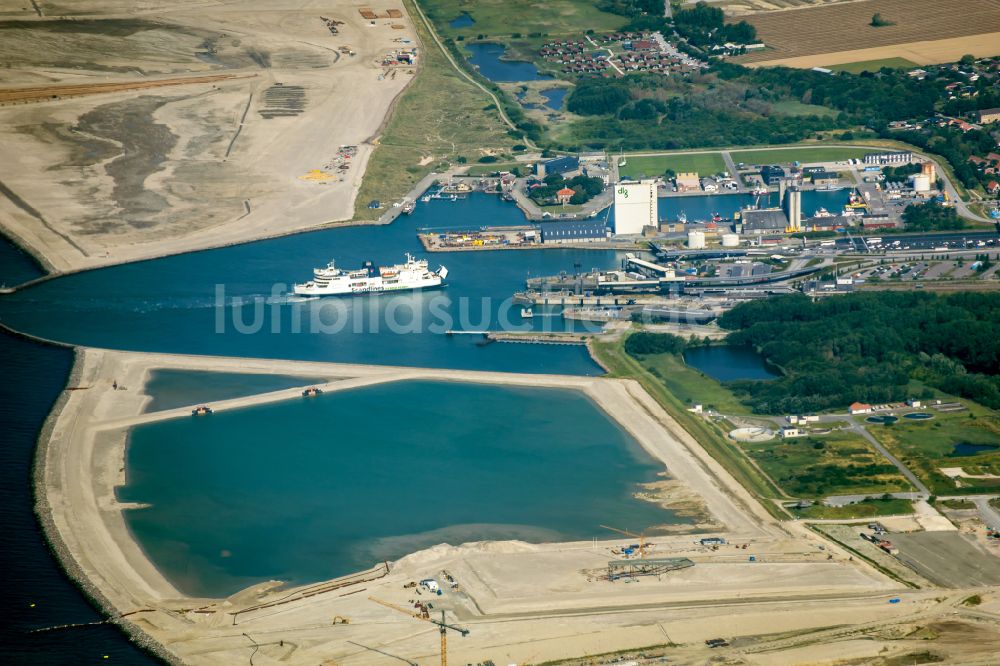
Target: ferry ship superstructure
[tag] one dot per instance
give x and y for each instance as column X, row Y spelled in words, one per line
column 369, row 279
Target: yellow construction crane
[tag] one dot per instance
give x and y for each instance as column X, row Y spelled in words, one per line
column 641, row 537
column 425, row 616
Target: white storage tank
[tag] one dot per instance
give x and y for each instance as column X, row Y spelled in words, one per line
column 730, row 240
column 921, row 182
column 696, row 240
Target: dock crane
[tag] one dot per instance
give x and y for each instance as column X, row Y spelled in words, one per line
column 641, row 537
column 442, row 625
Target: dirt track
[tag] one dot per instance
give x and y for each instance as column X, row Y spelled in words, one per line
column 45, row 93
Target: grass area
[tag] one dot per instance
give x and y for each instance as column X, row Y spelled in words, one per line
column 503, row 18
column 619, row 364
column 872, row 65
column 440, row 116
column 805, row 155
column 792, row 107
column 487, row 169
column 559, row 209
column 957, row 504
column 926, row 446
column 840, row 463
column 691, row 386
column 865, row 509
column 702, row 163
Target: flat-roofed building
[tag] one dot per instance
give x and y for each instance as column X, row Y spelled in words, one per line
column 574, row 231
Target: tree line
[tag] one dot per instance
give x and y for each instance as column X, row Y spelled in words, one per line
column 869, row 347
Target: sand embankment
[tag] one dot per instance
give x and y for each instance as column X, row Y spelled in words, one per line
column 82, row 462
column 123, row 175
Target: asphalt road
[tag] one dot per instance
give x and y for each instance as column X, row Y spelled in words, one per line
column 903, row 469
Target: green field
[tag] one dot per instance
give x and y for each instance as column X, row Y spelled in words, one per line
column 793, row 108
column 840, row 463
column 487, row 169
column 805, row 155
column 926, row 446
column 702, row 163
column 872, row 65
column 503, row 18
column 691, row 386
column 440, row 116
column 865, row 509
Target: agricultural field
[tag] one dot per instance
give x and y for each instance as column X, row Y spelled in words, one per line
column 841, row 463
column 873, row 65
column 702, row 163
column 743, row 7
column 927, row 446
column 806, row 154
column 503, row 18
column 916, row 25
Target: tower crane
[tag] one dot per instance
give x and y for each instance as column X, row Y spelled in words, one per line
column 442, row 625
column 641, row 537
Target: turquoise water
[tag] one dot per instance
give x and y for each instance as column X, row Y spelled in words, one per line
column 170, row 304
column 305, row 490
column 727, row 363
column 177, row 388
column 486, row 56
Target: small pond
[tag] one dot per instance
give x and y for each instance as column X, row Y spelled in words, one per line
column 728, row 362
column 555, row 97
column 918, row 416
column 463, row 21
column 967, row 449
column 884, row 420
column 487, row 58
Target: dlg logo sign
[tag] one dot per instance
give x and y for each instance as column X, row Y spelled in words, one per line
column 623, row 191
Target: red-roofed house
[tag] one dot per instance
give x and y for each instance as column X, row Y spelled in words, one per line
column 564, row 195
column 860, row 408
column 993, row 187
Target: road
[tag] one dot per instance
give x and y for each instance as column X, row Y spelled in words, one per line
column 960, row 205
column 611, row 54
column 903, row 469
column 844, row 500
column 990, row 516
column 496, row 101
column 733, row 172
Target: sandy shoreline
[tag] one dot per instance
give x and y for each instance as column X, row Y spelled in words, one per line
column 81, row 461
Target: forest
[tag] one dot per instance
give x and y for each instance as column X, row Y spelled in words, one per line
column 869, row 347
column 931, row 216
column 733, row 105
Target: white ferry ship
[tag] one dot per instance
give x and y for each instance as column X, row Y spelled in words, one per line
column 333, row 281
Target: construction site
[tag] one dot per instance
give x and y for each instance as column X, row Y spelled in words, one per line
column 138, row 134
column 738, row 583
